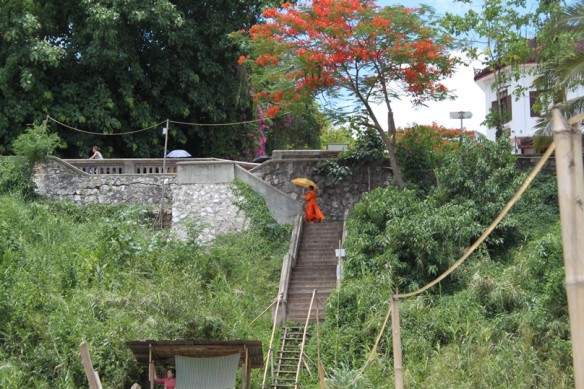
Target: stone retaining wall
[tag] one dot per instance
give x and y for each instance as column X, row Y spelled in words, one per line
column 208, row 209
column 333, row 200
column 60, row 180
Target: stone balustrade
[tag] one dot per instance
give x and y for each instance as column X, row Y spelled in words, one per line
column 130, row 166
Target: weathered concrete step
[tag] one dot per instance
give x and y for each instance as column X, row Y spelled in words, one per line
column 310, row 272
column 319, row 244
column 317, row 267
column 313, row 260
column 314, row 266
column 312, row 279
column 307, row 292
column 305, row 299
column 320, row 287
column 317, row 248
column 303, row 309
column 305, row 302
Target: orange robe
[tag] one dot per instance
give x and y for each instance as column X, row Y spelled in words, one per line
column 313, row 213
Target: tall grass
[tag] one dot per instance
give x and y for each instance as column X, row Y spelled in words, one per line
column 499, row 321
column 70, row 273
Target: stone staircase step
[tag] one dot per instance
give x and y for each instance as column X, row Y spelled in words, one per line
column 327, row 281
column 325, row 273
column 309, row 290
column 315, row 268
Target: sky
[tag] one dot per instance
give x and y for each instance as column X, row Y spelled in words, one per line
column 469, row 97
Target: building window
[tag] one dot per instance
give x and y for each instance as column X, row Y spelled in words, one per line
column 533, row 104
column 505, row 103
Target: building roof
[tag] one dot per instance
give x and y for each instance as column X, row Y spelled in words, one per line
column 532, row 43
column 164, row 351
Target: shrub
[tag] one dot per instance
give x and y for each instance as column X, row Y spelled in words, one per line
column 32, row 147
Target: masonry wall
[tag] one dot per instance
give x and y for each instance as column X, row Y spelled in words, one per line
column 333, row 200
column 60, row 180
column 207, row 210
column 200, row 195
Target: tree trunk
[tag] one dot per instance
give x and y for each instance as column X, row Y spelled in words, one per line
column 389, row 140
column 392, row 160
column 387, row 137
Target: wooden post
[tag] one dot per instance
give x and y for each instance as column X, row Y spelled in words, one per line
column 397, row 348
column 92, row 376
column 301, row 355
column 320, row 366
column 151, row 372
column 247, row 368
column 163, row 173
column 271, row 349
column 568, row 141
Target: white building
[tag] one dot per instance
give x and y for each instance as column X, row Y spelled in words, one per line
column 522, row 118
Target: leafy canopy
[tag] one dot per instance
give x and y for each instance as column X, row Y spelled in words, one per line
column 352, row 49
column 114, row 66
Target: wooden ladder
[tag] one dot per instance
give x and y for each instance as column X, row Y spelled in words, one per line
column 288, row 357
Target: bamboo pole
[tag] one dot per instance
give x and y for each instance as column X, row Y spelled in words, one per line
column 570, row 174
column 271, row 348
column 397, row 347
column 301, row 355
column 320, row 366
column 92, row 376
column 245, row 376
column 150, row 367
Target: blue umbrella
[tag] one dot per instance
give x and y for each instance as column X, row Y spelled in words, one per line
column 178, row 154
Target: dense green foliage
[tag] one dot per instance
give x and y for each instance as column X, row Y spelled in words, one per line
column 115, row 66
column 96, row 273
column 500, row 320
column 420, row 150
column 365, row 149
column 100, row 274
column 31, row 147
column 295, row 132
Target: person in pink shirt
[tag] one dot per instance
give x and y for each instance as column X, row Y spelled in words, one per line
column 169, row 382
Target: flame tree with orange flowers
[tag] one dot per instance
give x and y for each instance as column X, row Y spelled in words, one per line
column 348, row 50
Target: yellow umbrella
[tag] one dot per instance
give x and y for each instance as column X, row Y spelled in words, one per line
column 304, row 182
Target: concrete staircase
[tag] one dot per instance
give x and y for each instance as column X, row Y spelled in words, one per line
column 315, row 268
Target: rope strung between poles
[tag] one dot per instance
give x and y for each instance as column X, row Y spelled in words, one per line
column 215, row 124
column 102, row 134
column 151, row 127
column 491, row 227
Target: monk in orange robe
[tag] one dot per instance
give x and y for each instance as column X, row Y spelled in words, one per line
column 313, row 213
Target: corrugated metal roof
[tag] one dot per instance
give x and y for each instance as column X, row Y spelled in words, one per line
column 163, row 351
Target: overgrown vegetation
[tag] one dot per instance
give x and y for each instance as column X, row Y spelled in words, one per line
column 70, row 273
column 500, row 320
column 95, row 273
column 31, row 148
column 366, row 148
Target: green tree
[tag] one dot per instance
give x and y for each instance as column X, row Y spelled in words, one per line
column 114, row 66
column 562, row 66
column 350, row 49
column 31, row 148
column 501, row 34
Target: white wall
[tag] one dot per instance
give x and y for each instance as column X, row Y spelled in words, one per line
column 521, row 124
